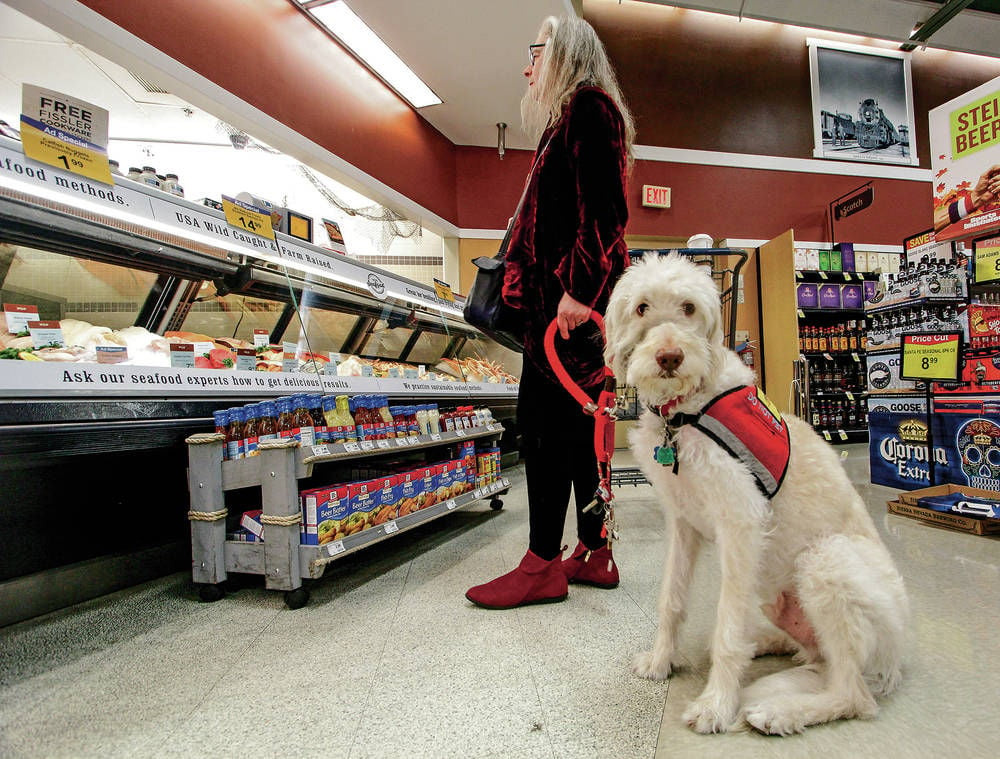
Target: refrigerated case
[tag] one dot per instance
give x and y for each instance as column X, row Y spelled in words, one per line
column 92, row 454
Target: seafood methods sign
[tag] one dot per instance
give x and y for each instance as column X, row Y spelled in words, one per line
column 186, row 219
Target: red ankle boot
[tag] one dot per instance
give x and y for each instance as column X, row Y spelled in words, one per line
column 535, row 581
column 588, row 567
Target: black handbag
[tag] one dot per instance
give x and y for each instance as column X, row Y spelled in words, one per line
column 484, row 305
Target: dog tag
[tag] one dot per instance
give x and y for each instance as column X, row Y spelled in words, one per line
column 664, row 455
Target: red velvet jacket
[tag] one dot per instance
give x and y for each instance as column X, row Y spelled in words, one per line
column 569, row 234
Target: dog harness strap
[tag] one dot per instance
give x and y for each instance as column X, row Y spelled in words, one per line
column 745, row 423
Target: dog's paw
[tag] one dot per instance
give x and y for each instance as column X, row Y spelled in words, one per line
column 766, row 718
column 710, row 714
column 650, row 665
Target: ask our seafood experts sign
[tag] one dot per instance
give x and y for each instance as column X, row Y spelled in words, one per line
column 65, row 132
column 965, row 156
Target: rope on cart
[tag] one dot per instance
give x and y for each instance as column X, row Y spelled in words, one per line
column 204, row 438
column 207, row 516
column 278, row 443
column 285, row 521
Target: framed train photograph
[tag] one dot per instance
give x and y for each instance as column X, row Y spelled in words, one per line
column 862, row 103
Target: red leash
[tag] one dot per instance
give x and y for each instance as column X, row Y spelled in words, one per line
column 604, row 412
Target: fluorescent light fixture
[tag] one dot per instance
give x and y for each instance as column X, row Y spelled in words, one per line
column 341, row 22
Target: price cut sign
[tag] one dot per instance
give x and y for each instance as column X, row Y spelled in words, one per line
column 247, row 217
column 931, row 357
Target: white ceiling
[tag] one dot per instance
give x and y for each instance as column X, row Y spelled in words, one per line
column 471, row 53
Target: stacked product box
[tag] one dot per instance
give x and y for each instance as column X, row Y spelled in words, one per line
column 336, row 511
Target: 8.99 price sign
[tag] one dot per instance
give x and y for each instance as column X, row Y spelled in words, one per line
column 931, row 357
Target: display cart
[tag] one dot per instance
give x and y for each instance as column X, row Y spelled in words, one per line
column 281, row 557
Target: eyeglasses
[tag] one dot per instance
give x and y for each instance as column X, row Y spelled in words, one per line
column 534, row 52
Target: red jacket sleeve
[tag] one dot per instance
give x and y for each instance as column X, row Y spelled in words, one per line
column 596, row 144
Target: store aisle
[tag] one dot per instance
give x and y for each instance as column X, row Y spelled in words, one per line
column 389, row 659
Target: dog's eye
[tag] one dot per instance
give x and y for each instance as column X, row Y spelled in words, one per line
column 688, row 309
column 641, row 308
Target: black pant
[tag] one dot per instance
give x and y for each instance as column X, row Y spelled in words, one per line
column 557, row 445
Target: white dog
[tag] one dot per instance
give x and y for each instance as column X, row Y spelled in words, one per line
column 809, row 557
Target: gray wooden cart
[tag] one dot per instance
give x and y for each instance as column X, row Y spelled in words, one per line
column 281, row 558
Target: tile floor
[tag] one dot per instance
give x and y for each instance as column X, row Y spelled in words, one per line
column 389, row 660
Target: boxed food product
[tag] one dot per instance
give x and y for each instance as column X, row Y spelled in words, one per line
column 364, row 501
column 411, row 492
column 387, row 498
column 829, row 296
column 327, row 515
column 807, row 295
column 250, row 521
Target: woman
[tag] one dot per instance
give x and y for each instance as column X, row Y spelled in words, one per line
column 566, row 250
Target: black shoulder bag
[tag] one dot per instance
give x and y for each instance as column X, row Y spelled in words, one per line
column 484, row 305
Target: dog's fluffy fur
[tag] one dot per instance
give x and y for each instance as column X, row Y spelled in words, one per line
column 810, row 558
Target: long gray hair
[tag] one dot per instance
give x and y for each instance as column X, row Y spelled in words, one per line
column 574, row 56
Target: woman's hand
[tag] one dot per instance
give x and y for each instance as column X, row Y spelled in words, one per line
column 570, row 315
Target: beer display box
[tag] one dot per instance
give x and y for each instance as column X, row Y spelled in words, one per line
column 907, row 505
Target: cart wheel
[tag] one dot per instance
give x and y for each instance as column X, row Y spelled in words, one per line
column 496, row 504
column 210, row 593
column 296, row 599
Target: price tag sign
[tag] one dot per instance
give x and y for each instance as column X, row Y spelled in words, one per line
column 247, row 217
column 986, row 259
column 443, row 290
column 320, row 450
column 65, row 132
column 931, row 357
column 391, row 527
column 46, row 334
column 335, row 547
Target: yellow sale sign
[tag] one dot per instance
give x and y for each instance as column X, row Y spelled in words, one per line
column 931, row 357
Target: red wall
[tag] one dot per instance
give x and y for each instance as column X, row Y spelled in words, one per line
column 695, row 81
column 270, row 55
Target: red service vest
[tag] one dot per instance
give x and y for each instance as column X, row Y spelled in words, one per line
column 745, row 423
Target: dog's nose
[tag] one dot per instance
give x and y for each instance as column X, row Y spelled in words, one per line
column 669, row 360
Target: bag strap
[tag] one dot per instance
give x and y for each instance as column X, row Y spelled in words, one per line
column 502, row 253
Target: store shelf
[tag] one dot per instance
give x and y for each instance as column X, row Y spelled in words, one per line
column 804, row 312
column 281, row 558
column 914, row 302
column 835, row 277
column 844, row 437
column 246, row 472
column 855, row 356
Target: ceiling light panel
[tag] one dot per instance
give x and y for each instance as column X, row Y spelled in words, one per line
column 351, row 31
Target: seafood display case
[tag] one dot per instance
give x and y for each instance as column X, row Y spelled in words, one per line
column 131, row 316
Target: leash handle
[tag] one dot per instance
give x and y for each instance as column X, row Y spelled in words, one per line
column 589, row 407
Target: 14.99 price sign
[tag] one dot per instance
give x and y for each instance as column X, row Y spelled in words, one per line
column 931, row 357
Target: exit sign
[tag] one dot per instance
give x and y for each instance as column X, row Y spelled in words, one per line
column 655, row 197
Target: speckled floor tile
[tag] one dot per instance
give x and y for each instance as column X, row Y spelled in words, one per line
column 390, row 660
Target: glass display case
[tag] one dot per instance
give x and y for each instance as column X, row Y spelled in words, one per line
column 131, row 316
